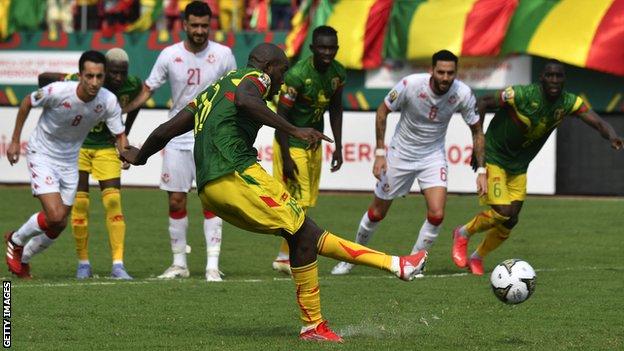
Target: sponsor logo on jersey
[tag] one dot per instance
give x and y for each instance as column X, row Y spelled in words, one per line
column 178, row 59
column 66, row 104
column 508, row 94
column 211, row 58
column 165, row 177
column 559, row 113
column 422, row 95
column 265, row 80
column 334, row 83
column 48, row 180
column 393, row 95
column 98, row 108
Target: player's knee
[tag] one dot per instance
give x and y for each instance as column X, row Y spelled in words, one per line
column 177, row 204
column 504, row 211
column 56, row 225
column 376, row 214
column 511, row 222
column 435, row 217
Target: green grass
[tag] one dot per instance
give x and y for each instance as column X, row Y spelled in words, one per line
column 574, row 244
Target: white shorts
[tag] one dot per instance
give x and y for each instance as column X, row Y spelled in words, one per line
column 178, row 170
column 400, row 175
column 47, row 177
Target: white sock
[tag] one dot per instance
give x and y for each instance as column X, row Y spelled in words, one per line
column 177, row 233
column 463, row 231
column 282, row 256
column 426, row 237
column 366, row 229
column 36, row 245
column 213, row 229
column 475, row 255
column 27, row 230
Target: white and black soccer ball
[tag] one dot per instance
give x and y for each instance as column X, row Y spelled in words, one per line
column 513, row 281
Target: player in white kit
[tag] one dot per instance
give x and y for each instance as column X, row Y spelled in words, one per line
column 190, row 66
column 70, row 110
column 427, row 102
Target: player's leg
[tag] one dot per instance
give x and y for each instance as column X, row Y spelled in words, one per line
column 498, row 194
column 304, row 189
column 107, row 170
column 435, row 198
column 80, row 224
column 396, row 181
column 257, row 202
column 213, row 231
column 176, row 180
column 56, row 188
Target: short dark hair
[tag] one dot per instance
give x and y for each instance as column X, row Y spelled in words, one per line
column 443, row 55
column 198, row 9
column 323, row 30
column 552, row 61
column 91, row 56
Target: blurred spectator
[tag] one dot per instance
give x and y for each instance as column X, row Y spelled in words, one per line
column 281, row 13
column 88, row 14
column 117, row 14
column 150, row 14
column 59, row 17
column 231, row 13
column 174, row 11
column 258, row 11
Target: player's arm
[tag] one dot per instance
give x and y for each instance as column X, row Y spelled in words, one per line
column 248, row 98
column 478, row 156
column 130, row 119
column 335, row 120
column 605, row 129
column 284, row 106
column 178, row 125
column 488, row 103
column 13, row 152
column 139, row 100
column 46, row 78
column 381, row 117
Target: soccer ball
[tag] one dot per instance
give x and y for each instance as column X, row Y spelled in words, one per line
column 513, row 281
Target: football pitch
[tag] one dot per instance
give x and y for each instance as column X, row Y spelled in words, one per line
column 574, row 244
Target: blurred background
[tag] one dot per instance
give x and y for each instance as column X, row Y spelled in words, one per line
column 500, row 43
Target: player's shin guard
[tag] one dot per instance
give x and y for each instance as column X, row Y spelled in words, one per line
column 484, row 221
column 493, row 238
column 308, row 293
column 178, row 225
column 115, row 223
column 368, row 225
column 36, row 245
column 428, row 234
column 330, row 245
column 213, row 229
column 80, row 224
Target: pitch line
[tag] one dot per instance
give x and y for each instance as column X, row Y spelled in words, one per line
column 111, row 282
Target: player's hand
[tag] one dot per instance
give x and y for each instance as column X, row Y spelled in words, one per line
column 310, row 135
column 473, row 163
column 13, row 153
column 125, row 165
column 290, row 170
column 482, row 186
column 336, row 162
column 130, row 155
column 617, row 143
column 380, row 166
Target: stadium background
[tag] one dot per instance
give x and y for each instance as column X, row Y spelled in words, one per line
column 501, row 43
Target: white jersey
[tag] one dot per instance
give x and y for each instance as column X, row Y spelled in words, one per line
column 66, row 120
column 425, row 116
column 189, row 74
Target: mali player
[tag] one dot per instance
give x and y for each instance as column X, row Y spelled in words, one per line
column 226, row 118
column 310, row 88
column 525, row 118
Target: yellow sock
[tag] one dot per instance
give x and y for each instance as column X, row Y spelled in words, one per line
column 284, row 250
column 330, row 245
column 308, row 293
column 484, row 221
column 114, row 222
column 80, row 222
column 493, row 238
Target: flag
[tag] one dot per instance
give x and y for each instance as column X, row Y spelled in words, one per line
column 360, row 25
column 579, row 32
column 418, row 28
